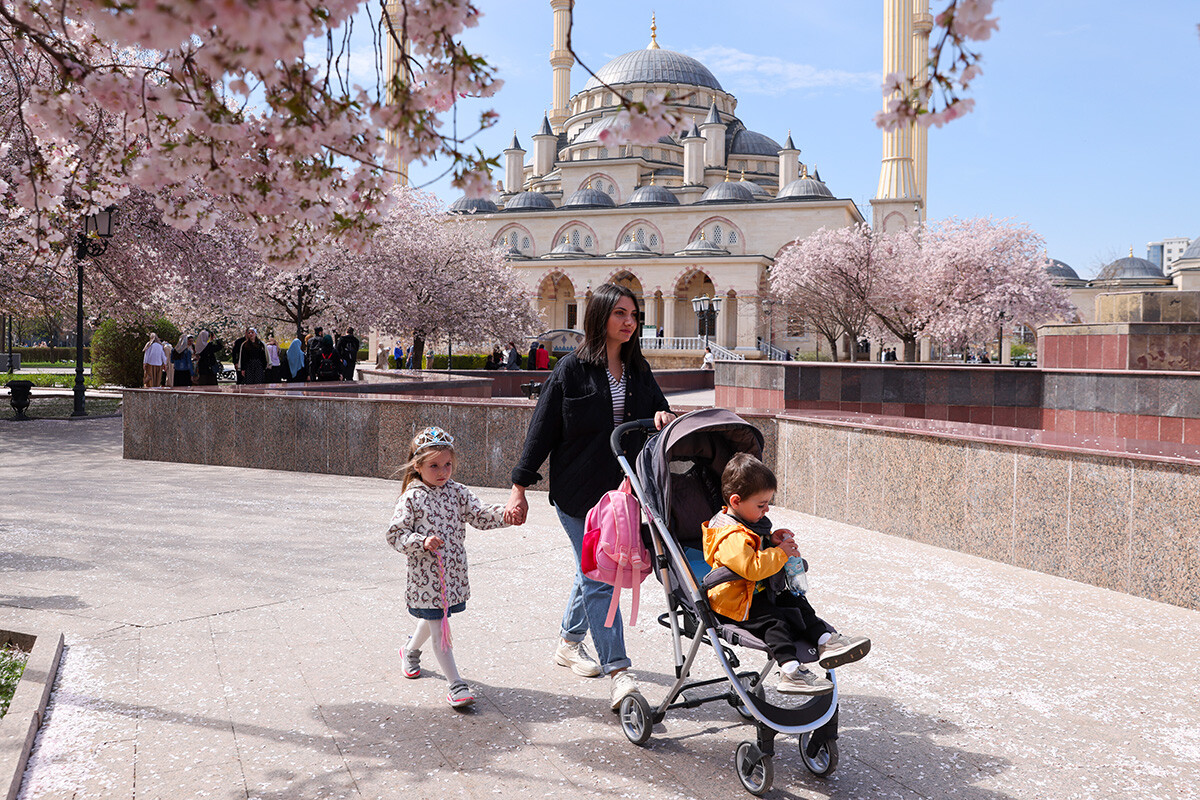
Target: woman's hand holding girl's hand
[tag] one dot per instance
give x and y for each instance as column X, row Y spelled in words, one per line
column 433, row 543
column 662, row 419
column 517, row 507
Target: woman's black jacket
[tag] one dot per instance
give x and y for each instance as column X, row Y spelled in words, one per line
column 573, row 422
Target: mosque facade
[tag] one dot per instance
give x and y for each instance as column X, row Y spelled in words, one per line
column 703, row 212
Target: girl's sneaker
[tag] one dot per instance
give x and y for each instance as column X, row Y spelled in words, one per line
column 840, row 650
column 411, row 660
column 460, row 695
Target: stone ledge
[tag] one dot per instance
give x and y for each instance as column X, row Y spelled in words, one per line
column 20, row 725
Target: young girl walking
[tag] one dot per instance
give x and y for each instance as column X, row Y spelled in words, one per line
column 429, row 526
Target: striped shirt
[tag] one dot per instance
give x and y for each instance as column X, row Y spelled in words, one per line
column 617, row 389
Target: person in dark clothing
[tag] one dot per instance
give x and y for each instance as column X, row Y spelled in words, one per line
column 314, row 351
column 531, row 359
column 251, row 359
column 329, row 365
column 495, row 360
column 236, row 354
column 347, row 348
column 206, row 359
column 605, row 382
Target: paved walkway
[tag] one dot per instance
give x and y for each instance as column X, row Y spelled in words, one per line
column 232, row 633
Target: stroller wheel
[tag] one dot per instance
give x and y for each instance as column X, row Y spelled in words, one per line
column 754, row 769
column 824, row 760
column 634, row 713
column 754, row 687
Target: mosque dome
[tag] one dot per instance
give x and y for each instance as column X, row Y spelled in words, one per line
column 529, row 201
column 587, row 197
column 472, row 205
column 652, row 195
column 653, row 65
column 1193, row 250
column 566, row 250
column 727, row 192
column 756, row 189
column 805, row 189
column 1129, row 268
column 632, row 248
column 702, row 247
column 592, row 132
column 753, row 143
column 1060, row 269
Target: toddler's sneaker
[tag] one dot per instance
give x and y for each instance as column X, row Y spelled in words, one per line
column 841, row 650
column 623, row 685
column 804, row 682
column 575, row 656
column 411, row 661
column 460, row 695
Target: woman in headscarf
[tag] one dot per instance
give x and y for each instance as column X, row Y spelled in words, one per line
column 329, row 366
column 152, row 363
column 182, row 360
column 168, row 365
column 252, row 359
column 295, row 360
column 206, row 360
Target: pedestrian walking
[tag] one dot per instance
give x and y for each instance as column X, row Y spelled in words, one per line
column 152, row 363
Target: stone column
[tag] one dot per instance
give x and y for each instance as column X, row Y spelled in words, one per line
column 561, row 62
column 668, row 321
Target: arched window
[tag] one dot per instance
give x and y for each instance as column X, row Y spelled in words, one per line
column 742, row 166
column 603, row 152
column 646, row 152
column 587, row 242
column 525, row 243
column 627, row 238
column 512, row 239
column 654, row 240
column 733, row 237
column 641, row 235
column 575, row 237
column 562, row 239
column 716, row 234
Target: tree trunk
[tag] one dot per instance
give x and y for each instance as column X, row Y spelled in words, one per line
column 833, row 350
column 910, row 348
column 418, row 350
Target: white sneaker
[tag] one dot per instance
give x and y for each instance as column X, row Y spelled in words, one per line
column 575, row 656
column 623, row 685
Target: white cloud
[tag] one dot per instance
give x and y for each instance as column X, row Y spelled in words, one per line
column 755, row 74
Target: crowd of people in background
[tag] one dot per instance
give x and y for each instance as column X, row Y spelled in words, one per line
column 510, row 357
column 196, row 360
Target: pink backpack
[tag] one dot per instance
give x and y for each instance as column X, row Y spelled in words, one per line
column 613, row 552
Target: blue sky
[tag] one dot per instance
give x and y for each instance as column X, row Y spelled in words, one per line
column 1085, row 127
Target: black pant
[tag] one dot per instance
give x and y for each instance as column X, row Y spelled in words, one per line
column 788, row 625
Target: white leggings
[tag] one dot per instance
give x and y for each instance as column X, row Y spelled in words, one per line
column 432, row 629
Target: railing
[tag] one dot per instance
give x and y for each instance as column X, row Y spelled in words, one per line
column 689, row 343
column 772, row 352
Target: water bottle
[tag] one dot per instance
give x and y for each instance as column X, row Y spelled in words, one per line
column 796, row 577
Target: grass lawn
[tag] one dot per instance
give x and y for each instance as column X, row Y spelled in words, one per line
column 12, row 664
column 61, row 407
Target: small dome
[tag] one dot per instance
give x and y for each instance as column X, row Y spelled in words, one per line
column 702, row 247
column 753, row 143
column 592, row 132
column 1129, row 268
column 632, row 248
column 727, row 192
column 805, row 189
column 567, row 250
column 1193, row 250
column 472, row 205
column 513, row 253
column 1060, row 269
column 755, row 189
column 652, row 196
column 587, row 197
column 529, row 201
column 653, row 66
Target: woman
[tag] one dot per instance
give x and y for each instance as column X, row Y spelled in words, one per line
column 605, row 382
column 168, row 365
column 182, row 361
column 152, row 363
column 273, row 374
column 295, row 360
column 329, row 365
column 206, row 359
column 709, row 361
column 252, row 358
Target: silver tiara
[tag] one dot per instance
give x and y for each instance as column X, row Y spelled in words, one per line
column 432, row 437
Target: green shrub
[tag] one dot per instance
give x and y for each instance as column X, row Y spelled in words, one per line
column 118, row 349
column 66, row 381
column 35, row 355
column 476, row 361
column 1020, row 350
column 813, row 356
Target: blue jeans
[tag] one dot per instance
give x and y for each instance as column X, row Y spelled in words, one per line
column 587, row 607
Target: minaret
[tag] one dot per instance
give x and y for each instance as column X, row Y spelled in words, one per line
column 789, row 162
column 561, row 62
column 895, row 203
column 514, row 167
column 545, row 149
column 922, row 25
column 693, row 157
column 714, row 137
column 393, row 65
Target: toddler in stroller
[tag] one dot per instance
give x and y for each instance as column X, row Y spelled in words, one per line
column 748, row 587
column 677, row 479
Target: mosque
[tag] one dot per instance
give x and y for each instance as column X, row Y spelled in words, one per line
column 1129, row 274
column 704, row 212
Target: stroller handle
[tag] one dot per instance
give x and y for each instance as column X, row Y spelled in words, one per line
column 627, row 427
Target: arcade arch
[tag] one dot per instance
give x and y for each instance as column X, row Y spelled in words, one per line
column 556, row 301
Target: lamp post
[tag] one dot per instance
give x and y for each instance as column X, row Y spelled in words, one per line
column 91, row 242
column 706, row 309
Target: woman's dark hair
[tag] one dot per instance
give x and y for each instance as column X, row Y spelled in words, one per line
column 594, row 349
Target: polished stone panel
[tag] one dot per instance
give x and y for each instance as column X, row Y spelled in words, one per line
column 988, row 489
column 1041, row 518
column 1164, row 552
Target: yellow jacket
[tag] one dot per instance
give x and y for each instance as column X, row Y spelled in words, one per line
column 729, row 543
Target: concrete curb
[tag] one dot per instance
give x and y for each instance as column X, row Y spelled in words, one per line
column 20, row 725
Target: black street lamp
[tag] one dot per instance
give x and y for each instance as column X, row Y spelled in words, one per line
column 706, row 309
column 90, row 243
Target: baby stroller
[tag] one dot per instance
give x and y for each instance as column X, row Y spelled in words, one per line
column 678, row 480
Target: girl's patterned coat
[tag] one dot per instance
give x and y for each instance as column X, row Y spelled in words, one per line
column 424, row 511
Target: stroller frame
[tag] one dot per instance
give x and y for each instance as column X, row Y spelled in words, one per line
column 815, row 722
